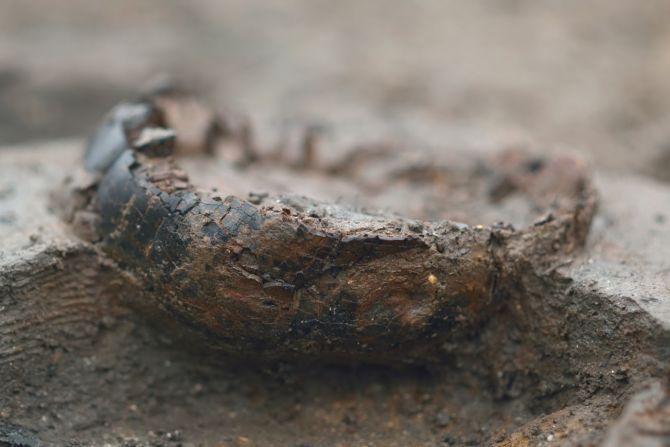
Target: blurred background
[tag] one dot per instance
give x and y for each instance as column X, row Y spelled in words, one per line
column 587, row 75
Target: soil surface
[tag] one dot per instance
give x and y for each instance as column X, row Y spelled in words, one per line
column 555, row 365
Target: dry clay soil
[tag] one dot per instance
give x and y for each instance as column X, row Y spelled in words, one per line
column 554, row 367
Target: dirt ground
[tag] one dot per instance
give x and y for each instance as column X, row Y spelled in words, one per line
column 553, row 366
column 583, row 76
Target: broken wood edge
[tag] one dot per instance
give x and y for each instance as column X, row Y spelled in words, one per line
column 273, row 280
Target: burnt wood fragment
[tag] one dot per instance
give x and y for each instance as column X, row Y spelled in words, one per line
column 269, row 280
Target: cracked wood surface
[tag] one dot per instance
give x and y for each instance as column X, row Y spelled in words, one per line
column 289, row 277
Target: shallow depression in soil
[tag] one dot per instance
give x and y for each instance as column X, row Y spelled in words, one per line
column 394, row 188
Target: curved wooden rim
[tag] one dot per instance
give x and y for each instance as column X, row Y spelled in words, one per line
column 271, row 278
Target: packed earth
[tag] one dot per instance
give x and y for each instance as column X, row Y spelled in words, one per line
column 379, row 224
